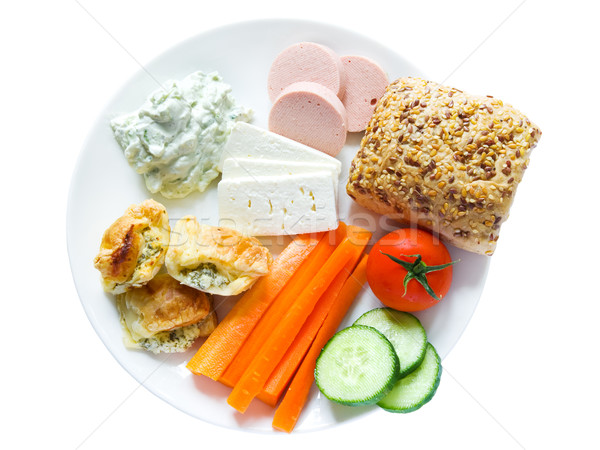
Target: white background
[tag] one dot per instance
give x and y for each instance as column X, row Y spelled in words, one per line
column 525, row 372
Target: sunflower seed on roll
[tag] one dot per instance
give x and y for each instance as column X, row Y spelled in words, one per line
column 450, row 162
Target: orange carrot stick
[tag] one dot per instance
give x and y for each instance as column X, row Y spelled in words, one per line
column 224, row 342
column 254, row 378
column 286, row 368
column 288, row 412
column 280, row 305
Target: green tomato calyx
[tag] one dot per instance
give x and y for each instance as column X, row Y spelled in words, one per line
column 418, row 271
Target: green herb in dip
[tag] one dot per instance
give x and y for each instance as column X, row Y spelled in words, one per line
column 176, row 138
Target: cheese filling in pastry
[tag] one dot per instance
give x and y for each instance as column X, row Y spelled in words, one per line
column 165, row 315
column 133, row 248
column 213, row 259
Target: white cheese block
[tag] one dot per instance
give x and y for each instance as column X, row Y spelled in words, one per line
column 248, row 167
column 278, row 204
column 249, row 141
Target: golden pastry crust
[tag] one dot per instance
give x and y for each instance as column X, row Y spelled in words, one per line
column 444, row 160
column 213, row 259
column 208, row 324
column 163, row 304
column 149, row 313
column 133, row 248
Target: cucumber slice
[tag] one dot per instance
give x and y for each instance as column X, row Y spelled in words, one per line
column 357, row 366
column 403, row 330
column 417, row 388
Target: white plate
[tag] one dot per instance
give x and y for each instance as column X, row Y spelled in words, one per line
column 103, row 186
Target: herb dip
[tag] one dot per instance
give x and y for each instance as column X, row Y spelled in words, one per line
column 176, row 138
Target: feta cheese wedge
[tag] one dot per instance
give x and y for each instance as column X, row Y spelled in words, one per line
column 249, row 141
column 248, row 167
column 278, row 204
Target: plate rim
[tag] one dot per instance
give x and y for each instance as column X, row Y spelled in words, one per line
column 100, row 117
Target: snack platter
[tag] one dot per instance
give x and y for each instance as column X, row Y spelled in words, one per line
column 103, row 186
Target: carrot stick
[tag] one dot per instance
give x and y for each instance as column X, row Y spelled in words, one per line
column 254, row 378
column 288, row 412
column 286, row 368
column 280, row 305
column 224, row 342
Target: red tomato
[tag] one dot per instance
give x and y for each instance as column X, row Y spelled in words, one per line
column 387, row 277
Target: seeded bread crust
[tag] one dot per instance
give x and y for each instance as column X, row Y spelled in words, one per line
column 443, row 160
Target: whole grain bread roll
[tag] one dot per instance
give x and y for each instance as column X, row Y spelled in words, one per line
column 441, row 159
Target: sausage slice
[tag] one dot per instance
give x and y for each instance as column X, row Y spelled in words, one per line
column 365, row 84
column 310, row 114
column 306, row 61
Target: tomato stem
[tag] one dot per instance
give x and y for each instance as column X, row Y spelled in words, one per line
column 418, row 270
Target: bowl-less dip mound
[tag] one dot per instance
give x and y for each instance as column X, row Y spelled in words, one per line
column 176, row 137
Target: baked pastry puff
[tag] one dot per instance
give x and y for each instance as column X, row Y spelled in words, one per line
column 165, row 315
column 133, row 248
column 213, row 259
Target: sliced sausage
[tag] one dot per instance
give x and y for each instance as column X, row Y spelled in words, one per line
column 365, row 84
column 311, row 114
column 306, row 61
